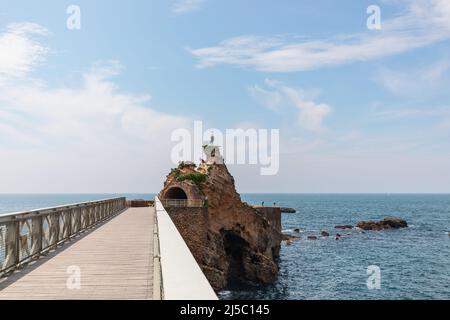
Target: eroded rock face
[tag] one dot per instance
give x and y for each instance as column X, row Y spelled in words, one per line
column 241, row 243
column 250, row 241
column 388, row 223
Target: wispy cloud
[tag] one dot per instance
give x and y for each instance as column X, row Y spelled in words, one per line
column 20, row 52
column 439, row 117
column 414, row 81
column 271, row 99
column 310, row 114
column 424, row 23
column 186, row 6
column 52, row 136
column 394, row 114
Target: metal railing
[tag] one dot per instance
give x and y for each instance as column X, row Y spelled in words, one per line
column 182, row 203
column 26, row 235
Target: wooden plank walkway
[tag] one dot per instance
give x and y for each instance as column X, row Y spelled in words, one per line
column 115, row 262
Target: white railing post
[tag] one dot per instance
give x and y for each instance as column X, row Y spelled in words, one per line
column 11, row 244
column 36, row 235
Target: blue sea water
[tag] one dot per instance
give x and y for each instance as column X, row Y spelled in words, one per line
column 414, row 262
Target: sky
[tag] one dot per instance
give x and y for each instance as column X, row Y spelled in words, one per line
column 92, row 110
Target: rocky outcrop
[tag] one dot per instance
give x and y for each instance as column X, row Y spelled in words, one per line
column 251, row 243
column 290, row 237
column 388, row 223
column 344, row 227
column 242, row 243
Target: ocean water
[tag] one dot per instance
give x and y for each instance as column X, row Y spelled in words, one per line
column 414, row 262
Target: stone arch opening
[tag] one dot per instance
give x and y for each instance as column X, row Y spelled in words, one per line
column 175, row 193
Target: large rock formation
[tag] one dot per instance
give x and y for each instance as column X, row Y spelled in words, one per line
column 233, row 242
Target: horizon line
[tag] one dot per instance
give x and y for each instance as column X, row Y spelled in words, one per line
column 255, row 193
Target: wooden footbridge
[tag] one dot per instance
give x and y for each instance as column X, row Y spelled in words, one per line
column 97, row 250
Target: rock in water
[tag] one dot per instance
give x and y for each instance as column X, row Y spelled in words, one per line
column 388, row 223
column 288, row 237
column 344, row 227
column 325, row 234
column 312, row 238
column 288, row 210
column 232, row 241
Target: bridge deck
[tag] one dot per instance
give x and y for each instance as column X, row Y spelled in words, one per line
column 115, row 262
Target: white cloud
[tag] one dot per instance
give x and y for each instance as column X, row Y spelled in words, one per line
column 354, row 163
column 440, row 114
column 421, row 81
column 20, row 51
column 186, row 6
column 269, row 98
column 310, row 114
column 425, row 22
column 87, row 138
column 96, row 111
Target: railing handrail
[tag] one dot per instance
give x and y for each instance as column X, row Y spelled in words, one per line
column 194, row 203
column 27, row 235
column 56, row 208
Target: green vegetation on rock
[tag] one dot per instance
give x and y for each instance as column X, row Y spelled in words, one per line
column 196, row 177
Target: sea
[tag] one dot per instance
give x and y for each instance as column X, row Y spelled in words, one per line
column 410, row 263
